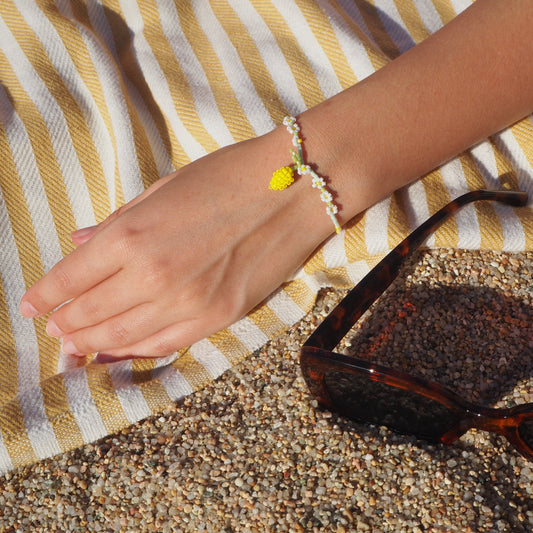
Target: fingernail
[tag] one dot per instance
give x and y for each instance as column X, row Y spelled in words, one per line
column 83, row 232
column 53, row 330
column 70, row 348
column 27, row 310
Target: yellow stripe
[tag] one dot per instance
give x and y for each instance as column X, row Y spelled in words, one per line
column 437, row 196
column 8, row 376
column 305, row 78
column 47, row 164
column 58, row 413
column 325, row 35
column 155, row 395
column 79, row 54
column 28, row 249
column 523, row 133
column 180, row 90
column 232, row 348
column 145, row 157
column 412, row 20
column 489, row 225
column 526, row 217
column 445, row 10
column 398, row 223
column 301, row 294
column 316, row 263
column 338, row 277
column 106, row 401
column 354, row 239
column 372, row 20
column 195, row 373
column 73, row 115
column 251, row 60
column 377, row 58
column 14, row 435
column 227, row 102
column 267, row 321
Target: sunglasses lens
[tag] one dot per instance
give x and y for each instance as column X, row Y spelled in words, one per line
column 359, row 398
column 525, row 429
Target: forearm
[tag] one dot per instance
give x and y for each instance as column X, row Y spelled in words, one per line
column 464, row 83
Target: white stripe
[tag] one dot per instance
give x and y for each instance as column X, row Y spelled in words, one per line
column 322, row 68
column 38, row 428
column 507, row 143
column 31, row 184
column 351, row 9
column 26, row 345
column 272, row 56
column 416, row 206
column 512, row 230
column 357, row 271
column 130, row 396
column 123, row 154
column 156, row 79
column 204, row 99
column 82, row 405
column 429, row 15
column 248, row 333
column 210, row 357
column 377, row 228
column 5, row 460
column 285, row 308
column 238, row 78
column 51, row 113
column 335, row 252
column 175, row 384
column 460, row 5
column 164, row 165
column 468, row 234
column 315, row 281
column 351, row 46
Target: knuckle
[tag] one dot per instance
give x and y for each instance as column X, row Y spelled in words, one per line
column 61, row 280
column 118, row 334
column 92, row 310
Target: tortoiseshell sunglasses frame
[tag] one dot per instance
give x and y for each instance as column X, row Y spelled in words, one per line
column 317, row 357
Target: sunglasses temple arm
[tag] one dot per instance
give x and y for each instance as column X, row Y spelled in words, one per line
column 330, row 332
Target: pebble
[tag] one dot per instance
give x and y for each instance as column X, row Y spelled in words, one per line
column 253, row 452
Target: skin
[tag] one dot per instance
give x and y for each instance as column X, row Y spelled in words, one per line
column 225, row 241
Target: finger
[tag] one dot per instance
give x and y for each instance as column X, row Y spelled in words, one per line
column 119, row 331
column 84, row 268
column 95, row 306
column 167, row 340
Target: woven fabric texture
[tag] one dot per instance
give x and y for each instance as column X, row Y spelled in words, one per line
column 99, row 98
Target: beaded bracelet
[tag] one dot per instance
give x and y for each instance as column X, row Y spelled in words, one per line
column 284, row 176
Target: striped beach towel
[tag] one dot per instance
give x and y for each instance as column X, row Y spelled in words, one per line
column 99, row 98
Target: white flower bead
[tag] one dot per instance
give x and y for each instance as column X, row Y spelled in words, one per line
column 304, row 169
column 326, row 196
column 318, row 182
column 289, row 121
column 332, row 209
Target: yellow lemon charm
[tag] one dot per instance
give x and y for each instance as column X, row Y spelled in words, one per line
column 282, row 178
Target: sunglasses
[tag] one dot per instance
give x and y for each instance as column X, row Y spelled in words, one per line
column 382, row 396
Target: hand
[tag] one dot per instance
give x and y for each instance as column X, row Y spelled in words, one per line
column 190, row 256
